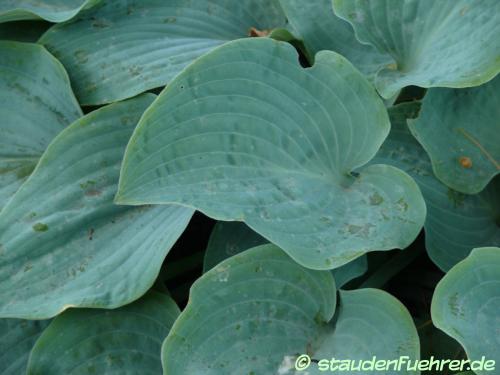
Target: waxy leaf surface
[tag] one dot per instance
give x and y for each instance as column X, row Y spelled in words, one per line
column 460, row 130
column 95, row 341
column 63, row 241
column 445, row 43
column 50, row 10
column 245, row 133
column 36, row 103
column 271, row 310
column 17, row 337
column 466, row 303
column 120, row 48
column 320, row 29
column 455, row 222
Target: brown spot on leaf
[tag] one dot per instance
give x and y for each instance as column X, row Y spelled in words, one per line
column 91, row 234
column 465, row 162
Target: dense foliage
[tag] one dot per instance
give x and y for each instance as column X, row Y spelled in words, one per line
column 209, row 187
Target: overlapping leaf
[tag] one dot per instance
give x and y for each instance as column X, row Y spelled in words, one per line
column 271, row 309
column 36, row 103
column 247, row 134
column 369, row 323
column 460, row 130
column 321, row 29
column 447, row 43
column 93, row 341
column 229, row 238
column 467, row 301
column 17, row 337
column 123, row 47
column 63, row 241
column 350, row 271
column 50, row 10
column 455, row 222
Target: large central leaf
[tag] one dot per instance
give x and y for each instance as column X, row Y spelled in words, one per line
column 245, row 133
column 123, row 47
column 63, row 241
column 448, row 43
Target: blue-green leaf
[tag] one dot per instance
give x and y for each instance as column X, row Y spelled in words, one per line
column 257, row 311
column 50, row 10
column 36, row 103
column 64, row 242
column 229, row 238
column 466, row 303
column 94, row 341
column 455, row 222
column 17, row 337
column 123, row 47
column 245, row 133
column 320, row 29
column 460, row 131
column 445, row 43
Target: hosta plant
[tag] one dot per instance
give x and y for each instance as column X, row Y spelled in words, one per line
column 255, row 187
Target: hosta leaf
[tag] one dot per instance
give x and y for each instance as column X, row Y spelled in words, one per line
column 23, row 31
column 17, row 337
column 271, row 309
column 64, row 242
column 245, row 133
column 36, row 103
column 229, row 238
column 369, row 323
column 455, row 222
column 447, row 43
column 460, row 131
column 262, row 303
column 350, row 271
column 50, row 10
column 321, row 29
column 94, row 341
column 123, row 47
column 466, row 303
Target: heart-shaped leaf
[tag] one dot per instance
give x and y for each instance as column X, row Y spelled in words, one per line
column 123, row 47
column 455, row 222
column 36, row 103
column 460, row 131
column 321, row 29
column 64, row 242
column 17, row 337
column 50, row 10
column 261, row 302
column 245, row 133
column 447, row 43
column 94, row 341
column 271, row 310
column 466, row 303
